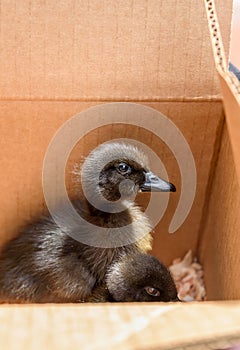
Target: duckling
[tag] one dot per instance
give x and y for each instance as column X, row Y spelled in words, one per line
column 48, row 262
column 136, row 277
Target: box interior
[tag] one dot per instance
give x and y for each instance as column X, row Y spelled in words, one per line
column 109, row 52
column 36, row 98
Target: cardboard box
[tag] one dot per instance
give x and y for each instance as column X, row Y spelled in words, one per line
column 58, row 59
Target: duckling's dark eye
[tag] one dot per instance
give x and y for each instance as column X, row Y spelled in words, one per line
column 154, row 292
column 124, row 168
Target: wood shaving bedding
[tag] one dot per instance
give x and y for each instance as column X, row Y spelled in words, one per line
column 188, row 277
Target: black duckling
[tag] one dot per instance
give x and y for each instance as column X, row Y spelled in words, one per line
column 44, row 263
column 137, row 277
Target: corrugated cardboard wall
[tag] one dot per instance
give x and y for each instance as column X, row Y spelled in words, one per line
column 219, row 250
column 134, row 49
column 29, row 126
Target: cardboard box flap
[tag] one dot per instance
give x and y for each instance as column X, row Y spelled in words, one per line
column 220, row 239
column 230, row 85
column 231, row 91
column 219, row 244
column 108, row 50
column 121, row 326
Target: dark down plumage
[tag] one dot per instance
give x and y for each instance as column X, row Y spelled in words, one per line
column 52, row 262
column 136, row 277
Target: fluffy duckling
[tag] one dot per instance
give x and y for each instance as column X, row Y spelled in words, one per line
column 48, row 262
column 138, row 277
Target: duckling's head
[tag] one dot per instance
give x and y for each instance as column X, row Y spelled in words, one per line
column 140, row 277
column 117, row 171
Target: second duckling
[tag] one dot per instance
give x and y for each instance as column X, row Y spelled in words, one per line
column 137, row 277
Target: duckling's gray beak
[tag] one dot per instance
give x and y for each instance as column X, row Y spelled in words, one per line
column 154, row 183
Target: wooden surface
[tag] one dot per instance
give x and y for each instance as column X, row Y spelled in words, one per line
column 120, row 326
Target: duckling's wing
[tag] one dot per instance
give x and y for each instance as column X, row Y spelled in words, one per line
column 34, row 267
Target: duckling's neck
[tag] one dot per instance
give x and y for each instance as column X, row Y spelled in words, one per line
column 99, row 258
column 107, row 217
column 132, row 214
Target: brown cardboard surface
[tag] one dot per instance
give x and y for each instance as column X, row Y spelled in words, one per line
column 29, row 126
column 92, row 50
column 221, row 240
column 120, row 326
column 231, row 92
column 220, row 243
column 219, row 249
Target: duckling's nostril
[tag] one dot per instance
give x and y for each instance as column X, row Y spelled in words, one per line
column 154, row 179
